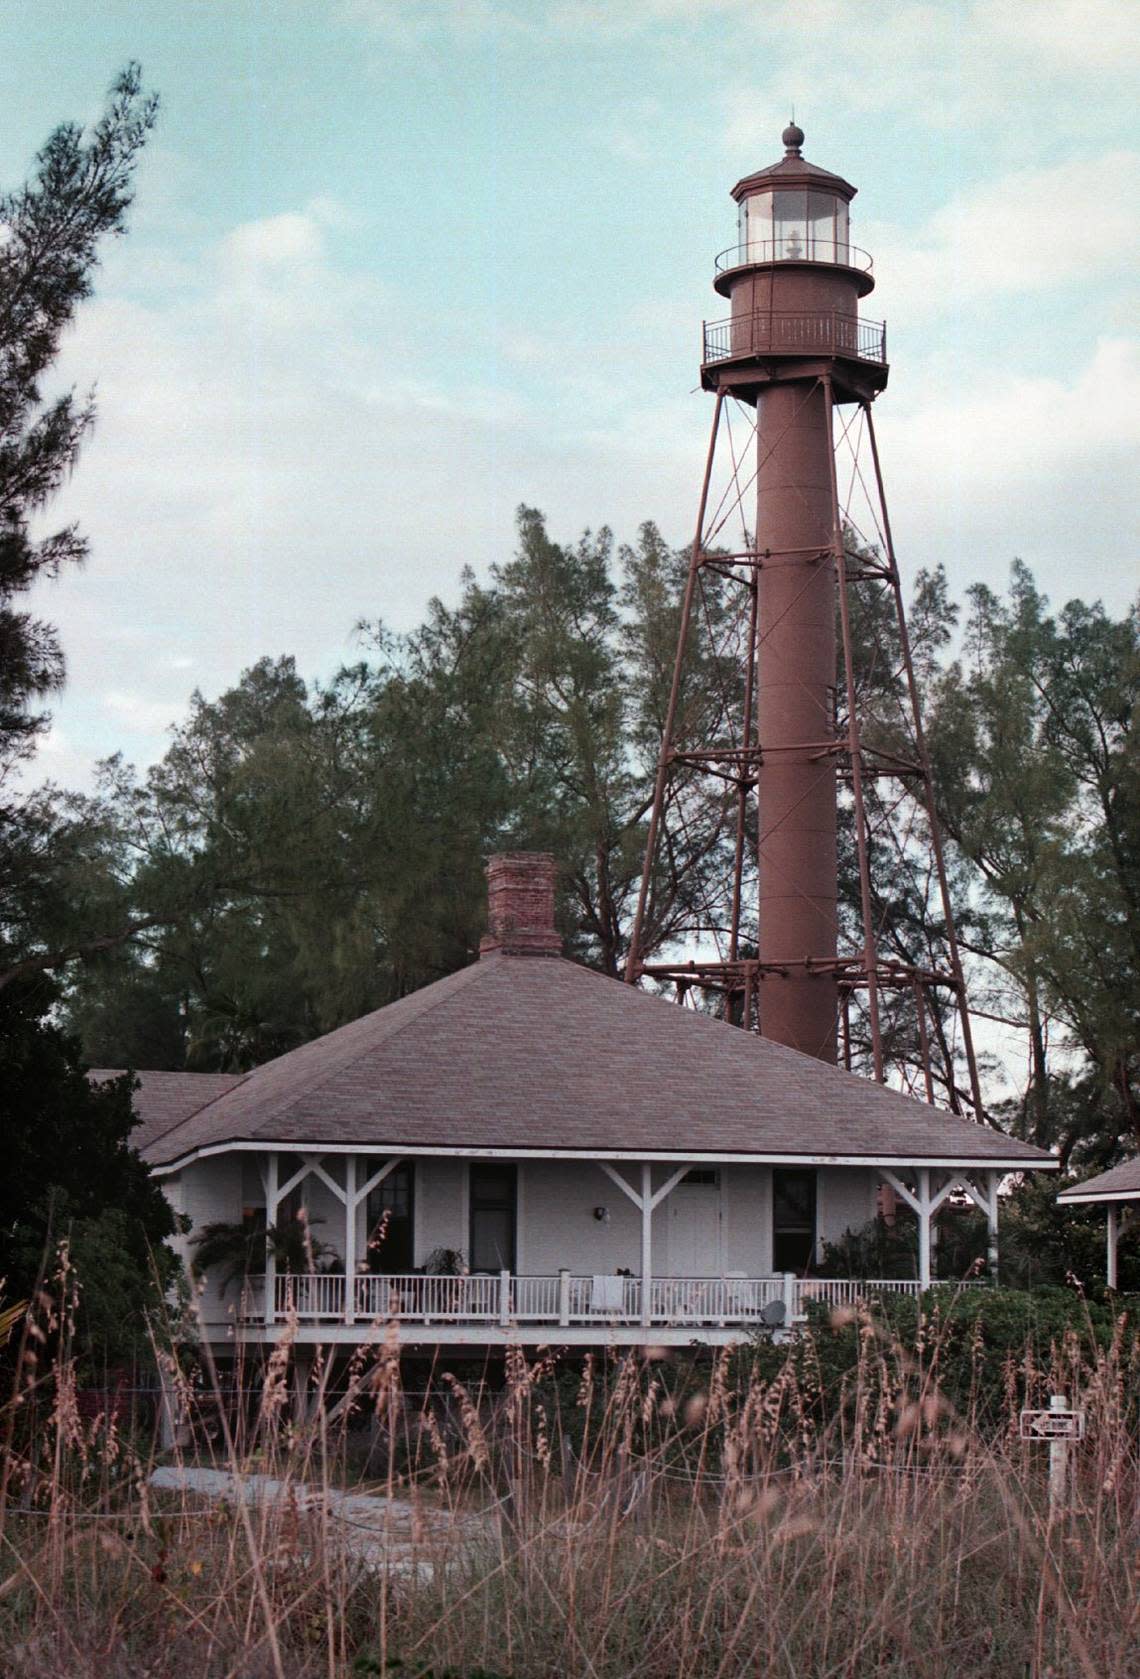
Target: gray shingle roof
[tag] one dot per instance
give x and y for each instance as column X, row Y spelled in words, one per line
column 164, row 1100
column 1122, row 1182
column 536, row 1053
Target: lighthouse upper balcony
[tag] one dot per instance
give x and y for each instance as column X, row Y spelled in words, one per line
column 795, row 246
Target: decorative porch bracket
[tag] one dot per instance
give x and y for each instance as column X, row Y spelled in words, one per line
column 646, row 1203
column 351, row 1197
column 925, row 1205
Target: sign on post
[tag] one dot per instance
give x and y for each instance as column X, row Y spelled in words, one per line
column 1052, row 1425
column 1058, row 1425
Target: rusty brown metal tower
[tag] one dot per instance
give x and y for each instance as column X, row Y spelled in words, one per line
column 793, row 755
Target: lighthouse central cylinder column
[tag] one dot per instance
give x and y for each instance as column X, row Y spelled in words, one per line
column 795, row 708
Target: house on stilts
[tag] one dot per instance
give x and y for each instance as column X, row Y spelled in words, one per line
column 594, row 1164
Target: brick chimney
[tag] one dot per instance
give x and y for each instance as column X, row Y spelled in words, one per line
column 520, row 904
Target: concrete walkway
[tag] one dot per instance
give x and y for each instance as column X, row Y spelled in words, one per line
column 377, row 1532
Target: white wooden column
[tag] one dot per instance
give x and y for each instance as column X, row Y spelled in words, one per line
column 924, row 1206
column 272, row 1201
column 923, row 1210
column 1112, row 1238
column 647, row 1204
column 350, row 1222
column 646, row 1243
column 992, row 1250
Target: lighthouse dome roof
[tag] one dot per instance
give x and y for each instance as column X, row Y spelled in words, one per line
column 793, row 170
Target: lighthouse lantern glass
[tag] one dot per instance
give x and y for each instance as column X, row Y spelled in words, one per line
column 793, row 225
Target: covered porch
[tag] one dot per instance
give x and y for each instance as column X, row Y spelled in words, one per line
column 454, row 1247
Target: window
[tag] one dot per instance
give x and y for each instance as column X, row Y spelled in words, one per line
column 494, row 1200
column 793, row 225
column 756, row 228
column 704, row 1175
column 391, row 1222
column 793, row 1220
column 790, row 231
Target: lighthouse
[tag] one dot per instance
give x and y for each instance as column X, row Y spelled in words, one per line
column 798, row 357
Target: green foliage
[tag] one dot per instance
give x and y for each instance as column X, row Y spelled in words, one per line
column 302, row 855
column 50, row 233
column 71, row 1175
column 1044, row 1243
column 876, row 1249
column 237, row 1251
column 1038, row 771
column 982, row 1347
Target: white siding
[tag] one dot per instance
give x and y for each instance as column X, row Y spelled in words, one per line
column 557, row 1227
column 211, row 1193
column 845, row 1200
column 747, row 1226
column 440, row 1206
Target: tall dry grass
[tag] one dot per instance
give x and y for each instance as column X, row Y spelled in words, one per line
column 624, row 1516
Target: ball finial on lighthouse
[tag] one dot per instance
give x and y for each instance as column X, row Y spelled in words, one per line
column 793, row 138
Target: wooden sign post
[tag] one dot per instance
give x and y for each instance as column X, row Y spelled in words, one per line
column 1060, row 1426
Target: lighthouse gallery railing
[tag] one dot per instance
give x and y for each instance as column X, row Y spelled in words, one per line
column 809, row 332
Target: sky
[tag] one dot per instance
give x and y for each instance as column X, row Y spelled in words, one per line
column 396, row 266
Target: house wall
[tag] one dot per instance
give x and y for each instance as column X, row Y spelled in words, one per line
column 845, row 1200
column 747, row 1221
column 209, row 1192
column 557, row 1227
column 440, row 1206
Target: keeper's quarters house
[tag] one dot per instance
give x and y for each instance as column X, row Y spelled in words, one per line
column 596, row 1163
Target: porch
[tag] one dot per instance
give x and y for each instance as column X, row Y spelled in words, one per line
column 564, row 1307
column 461, row 1249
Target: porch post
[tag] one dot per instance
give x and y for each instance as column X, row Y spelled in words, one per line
column 923, row 1175
column 992, row 1253
column 1112, row 1238
column 350, row 1238
column 646, row 1242
column 302, row 1377
column 271, row 1202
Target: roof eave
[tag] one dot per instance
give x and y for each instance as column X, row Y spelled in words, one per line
column 1074, row 1197
column 727, row 1157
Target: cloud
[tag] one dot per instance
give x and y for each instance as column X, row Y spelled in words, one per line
column 1030, row 230
column 1068, row 35
column 981, row 470
column 276, row 458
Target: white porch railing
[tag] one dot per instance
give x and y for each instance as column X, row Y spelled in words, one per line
column 561, row 1300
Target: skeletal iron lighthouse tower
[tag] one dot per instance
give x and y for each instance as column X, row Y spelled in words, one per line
column 802, row 768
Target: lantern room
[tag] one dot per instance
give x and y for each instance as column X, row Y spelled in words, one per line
column 793, row 224
column 794, row 282
column 793, row 212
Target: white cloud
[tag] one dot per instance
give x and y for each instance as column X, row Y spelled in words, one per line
column 1069, row 35
column 1031, row 230
column 982, row 470
column 276, row 242
column 141, row 713
column 272, row 462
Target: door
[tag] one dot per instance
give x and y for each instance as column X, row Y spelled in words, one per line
column 793, row 1220
column 391, row 1222
column 494, row 1211
column 694, row 1225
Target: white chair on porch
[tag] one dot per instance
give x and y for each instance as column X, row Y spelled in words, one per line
column 607, row 1296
